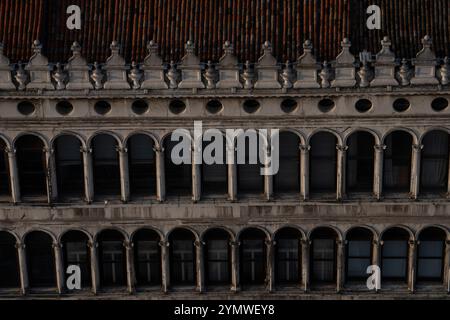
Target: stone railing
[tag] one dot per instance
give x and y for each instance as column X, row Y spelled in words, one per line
column 347, row 71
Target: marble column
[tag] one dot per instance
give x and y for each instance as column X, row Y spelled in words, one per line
column 341, row 167
column 235, row 284
column 232, row 173
column 13, row 175
column 340, row 255
column 23, row 268
column 268, row 178
column 160, row 174
column 412, row 265
column 196, row 176
column 165, row 266
column 95, row 271
column 378, row 171
column 270, row 248
column 305, row 264
column 88, row 174
column 129, row 254
column 415, row 170
column 52, row 184
column 200, row 266
column 124, row 174
column 304, row 171
column 59, row 267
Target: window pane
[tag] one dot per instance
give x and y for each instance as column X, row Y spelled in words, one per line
column 394, row 268
column 359, row 248
column 218, row 261
column 148, row 267
column 287, row 257
column 430, row 268
column 323, row 271
column 357, row 267
column 395, row 248
column 431, row 249
column 323, row 249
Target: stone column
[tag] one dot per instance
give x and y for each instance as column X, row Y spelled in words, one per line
column 124, row 174
column 59, row 267
column 23, row 270
column 305, row 264
column 415, row 170
column 88, row 174
column 200, row 266
column 340, row 180
column 376, row 252
column 447, row 265
column 160, row 174
column 232, row 174
column 13, row 175
column 165, row 266
column 196, row 177
column 268, row 178
column 304, row 171
column 378, row 171
column 52, row 184
column 412, row 265
column 235, row 282
column 130, row 266
column 95, row 272
column 270, row 275
column 340, row 264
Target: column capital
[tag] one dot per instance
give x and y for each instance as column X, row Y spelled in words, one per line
column 164, row 243
column 57, row 244
column 10, row 150
column 305, row 242
column 20, row 245
column 417, row 147
column 304, row 147
column 376, row 242
column 199, row 244
column 413, row 243
column 48, row 150
column 158, row 149
column 380, row 147
column 122, row 149
column 92, row 244
column 235, row 244
column 85, row 150
column 341, row 148
column 270, row 243
column 447, row 242
column 128, row 244
column 341, row 243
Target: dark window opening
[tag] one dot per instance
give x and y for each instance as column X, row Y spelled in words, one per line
column 177, row 106
column 182, row 257
column 147, row 257
column 323, row 256
column 326, row 105
column 251, row 106
column 102, row 108
column 4, row 171
column 323, row 162
column 69, row 167
column 31, row 165
column 397, row 162
column 106, row 166
column 360, row 162
column 140, row 107
column 26, row 108
column 434, row 163
column 142, row 165
column 287, row 180
column 249, row 165
column 64, row 108
column 112, row 259
column 289, row 105
column 288, row 262
column 217, row 253
column 40, row 260
column 215, row 176
column 359, row 254
column 178, row 176
column 430, row 255
column 9, row 266
column 394, row 255
column 401, row 105
column 214, row 106
column 76, row 252
column 253, row 257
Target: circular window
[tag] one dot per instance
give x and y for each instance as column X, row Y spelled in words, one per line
column 326, row 105
column 401, row 105
column 139, row 107
column 439, row 104
column 251, row 106
column 102, row 107
column 64, row 108
column 26, row 108
column 177, row 106
column 289, row 105
column 214, row 106
column 363, row 105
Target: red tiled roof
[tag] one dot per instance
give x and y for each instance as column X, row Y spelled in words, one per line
column 246, row 23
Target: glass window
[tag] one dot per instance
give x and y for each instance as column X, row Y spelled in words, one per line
column 183, row 262
column 395, row 259
column 288, row 260
column 76, row 253
column 253, row 261
column 113, row 263
column 323, row 157
column 218, row 263
column 430, row 260
column 324, row 260
column 358, row 258
column 148, row 264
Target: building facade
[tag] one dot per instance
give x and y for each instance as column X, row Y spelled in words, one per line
column 87, row 178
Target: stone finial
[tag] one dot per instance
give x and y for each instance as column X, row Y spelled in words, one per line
column 5, row 71
column 78, row 70
column 325, row 75
column 287, row 75
column 191, row 69
column 116, row 70
column 248, row 75
column 345, row 71
column 364, row 74
column 445, row 72
column 60, row 77
column 153, row 68
column 385, row 65
column 228, row 69
column 21, row 76
column 425, row 65
column 267, row 69
column 97, row 76
column 135, row 76
column 172, row 75
column 39, row 69
column 210, row 76
column 404, row 73
column 307, row 68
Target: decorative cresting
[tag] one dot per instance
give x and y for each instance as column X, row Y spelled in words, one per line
column 346, row 72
